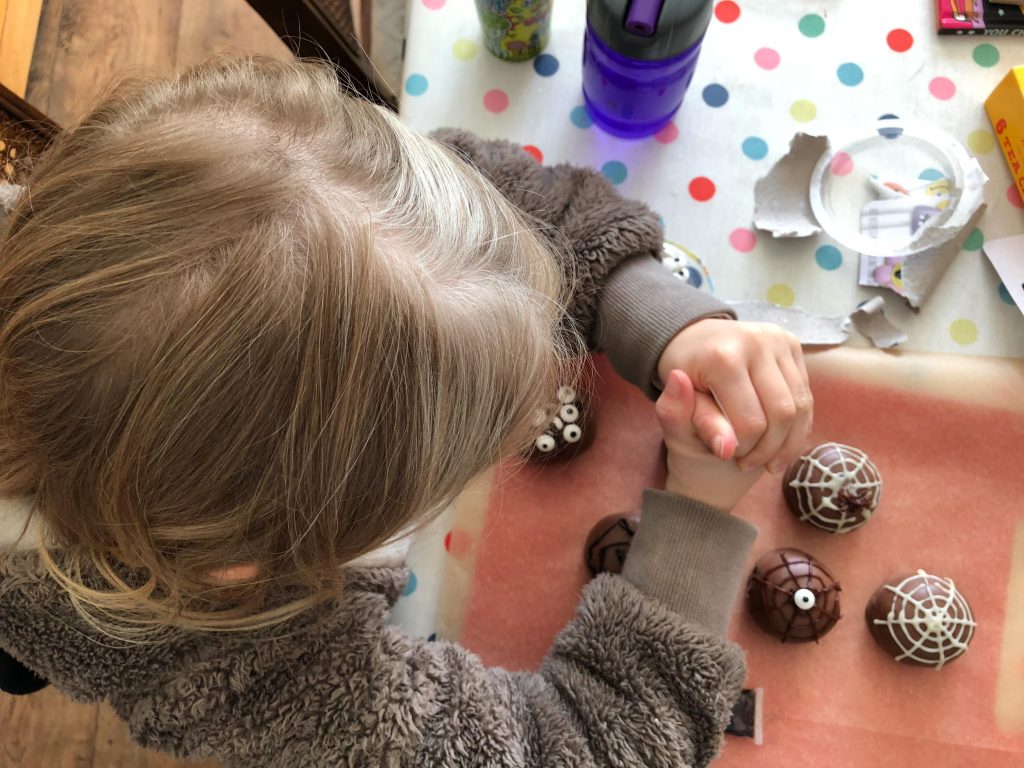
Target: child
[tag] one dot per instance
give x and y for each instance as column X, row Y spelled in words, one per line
column 252, row 329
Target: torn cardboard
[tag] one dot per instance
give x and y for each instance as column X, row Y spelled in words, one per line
column 810, row 329
column 782, row 203
column 817, row 330
column 869, row 319
column 785, row 205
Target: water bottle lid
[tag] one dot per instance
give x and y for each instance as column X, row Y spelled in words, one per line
column 649, row 30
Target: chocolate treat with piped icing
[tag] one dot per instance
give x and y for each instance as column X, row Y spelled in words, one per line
column 608, row 543
column 835, row 487
column 793, row 596
column 565, row 427
column 921, row 619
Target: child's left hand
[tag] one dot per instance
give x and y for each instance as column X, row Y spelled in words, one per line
column 756, row 373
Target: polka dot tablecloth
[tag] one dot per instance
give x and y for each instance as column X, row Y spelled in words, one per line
column 766, row 71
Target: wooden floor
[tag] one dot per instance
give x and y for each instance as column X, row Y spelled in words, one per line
column 79, row 45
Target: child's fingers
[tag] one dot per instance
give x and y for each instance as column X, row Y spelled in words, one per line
column 675, row 406
column 787, row 404
column 796, row 440
column 713, row 428
column 739, row 401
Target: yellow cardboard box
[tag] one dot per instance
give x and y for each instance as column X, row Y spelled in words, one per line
column 1005, row 107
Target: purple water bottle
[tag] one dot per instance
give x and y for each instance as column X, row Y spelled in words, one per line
column 638, row 59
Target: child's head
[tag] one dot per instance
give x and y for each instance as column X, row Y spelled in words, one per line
column 245, row 317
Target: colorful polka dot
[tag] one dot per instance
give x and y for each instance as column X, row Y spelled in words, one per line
column 715, row 95
column 434, row 5
column 535, row 153
column 668, row 134
column 755, row 147
column 828, row 257
column 615, row 171
column 545, row 65
column 464, row 49
column 743, row 240
column 981, row 142
column 812, row 25
column 410, row 586
column 803, row 111
column 702, row 189
column 986, row 55
column 780, row 294
column 963, row 331
column 931, row 174
column 416, row 85
column 766, row 58
column 496, row 100
column 580, row 117
column 1013, row 195
column 1004, row 294
column 727, row 11
column 850, row 74
column 974, row 240
column 942, row 88
column 841, row 165
column 900, row 40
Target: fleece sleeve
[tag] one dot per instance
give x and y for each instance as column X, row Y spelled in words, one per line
column 642, row 676
column 623, row 301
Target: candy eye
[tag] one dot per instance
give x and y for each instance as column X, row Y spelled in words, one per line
column 557, row 423
column 566, row 394
column 572, row 433
column 545, row 443
column 804, row 599
column 569, row 413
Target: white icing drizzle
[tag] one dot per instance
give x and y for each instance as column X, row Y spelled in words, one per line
column 942, row 621
column 851, row 471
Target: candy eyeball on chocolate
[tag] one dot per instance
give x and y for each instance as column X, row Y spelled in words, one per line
column 793, row 596
column 545, row 443
column 566, row 428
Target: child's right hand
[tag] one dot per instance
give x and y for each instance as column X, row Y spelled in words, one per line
column 693, row 470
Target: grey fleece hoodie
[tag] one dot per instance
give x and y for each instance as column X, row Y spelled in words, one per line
column 641, row 677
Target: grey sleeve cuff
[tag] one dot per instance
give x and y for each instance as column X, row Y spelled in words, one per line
column 641, row 308
column 690, row 557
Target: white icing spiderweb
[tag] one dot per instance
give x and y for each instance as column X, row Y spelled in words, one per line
column 932, row 629
column 850, row 475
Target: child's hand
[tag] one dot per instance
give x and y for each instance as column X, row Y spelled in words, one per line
column 693, row 471
column 756, row 373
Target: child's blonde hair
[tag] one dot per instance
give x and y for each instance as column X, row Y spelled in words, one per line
column 245, row 317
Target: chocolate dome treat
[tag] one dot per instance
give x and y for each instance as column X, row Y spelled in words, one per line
column 921, row 620
column 565, row 428
column 608, row 543
column 834, row 487
column 792, row 596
